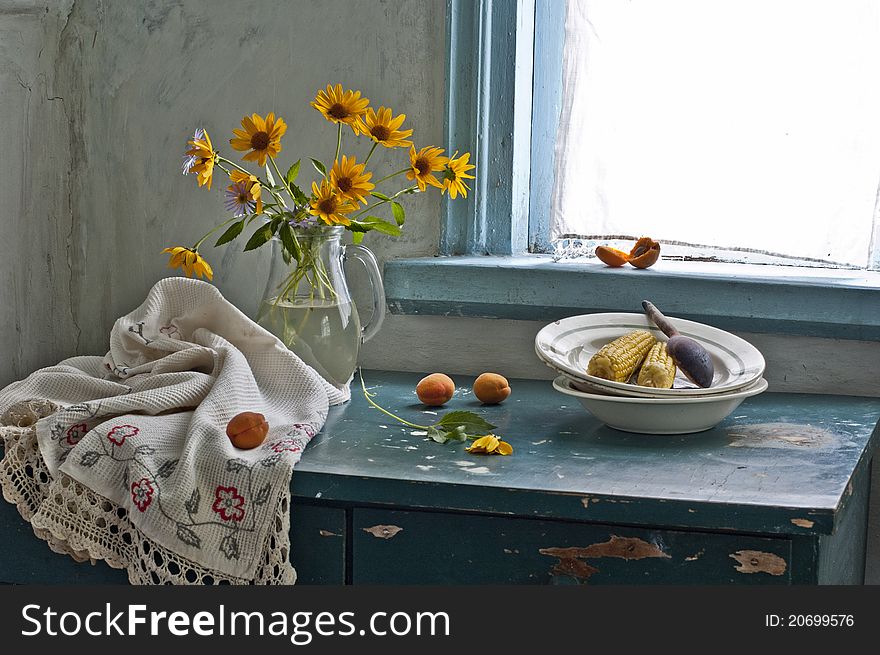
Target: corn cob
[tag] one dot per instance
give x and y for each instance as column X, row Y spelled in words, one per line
column 617, row 360
column 658, row 370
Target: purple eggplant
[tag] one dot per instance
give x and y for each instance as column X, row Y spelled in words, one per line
column 690, row 357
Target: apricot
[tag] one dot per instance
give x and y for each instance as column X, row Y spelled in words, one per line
column 611, row 256
column 491, row 388
column 435, row 389
column 247, row 430
column 645, row 253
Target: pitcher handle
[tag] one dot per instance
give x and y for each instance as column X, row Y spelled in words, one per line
column 368, row 259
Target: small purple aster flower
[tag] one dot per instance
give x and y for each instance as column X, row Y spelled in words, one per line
column 306, row 221
column 238, row 199
column 190, row 160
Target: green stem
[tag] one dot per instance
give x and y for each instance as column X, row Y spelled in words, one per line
column 283, row 181
column 388, row 177
column 338, row 141
column 382, row 202
column 375, row 143
column 223, row 224
column 383, row 410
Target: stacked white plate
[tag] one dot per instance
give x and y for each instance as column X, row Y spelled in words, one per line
column 568, row 344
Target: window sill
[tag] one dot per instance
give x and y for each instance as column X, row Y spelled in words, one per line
column 842, row 304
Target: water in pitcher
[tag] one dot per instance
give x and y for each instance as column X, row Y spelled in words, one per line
column 325, row 334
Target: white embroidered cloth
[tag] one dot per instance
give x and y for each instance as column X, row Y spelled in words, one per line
column 133, row 463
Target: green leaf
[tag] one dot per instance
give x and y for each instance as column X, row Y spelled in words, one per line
column 437, row 435
column 289, row 240
column 319, row 167
column 298, row 195
column 376, row 223
column 231, row 232
column 258, row 238
column 270, row 177
column 399, row 214
column 380, row 196
column 292, row 173
column 473, row 423
column 357, row 237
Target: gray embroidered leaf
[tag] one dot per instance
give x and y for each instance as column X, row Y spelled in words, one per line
column 188, row 536
column 270, row 461
column 64, row 455
column 144, row 449
column 90, row 458
column 233, row 465
column 167, row 468
column 229, row 547
column 263, row 494
column 192, row 505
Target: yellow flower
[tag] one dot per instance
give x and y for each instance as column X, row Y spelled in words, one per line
column 204, row 158
column 329, row 206
column 254, row 188
column 341, row 107
column 190, row 261
column 261, row 136
column 350, row 180
column 490, row 445
column 455, row 173
column 423, row 164
column 382, row 128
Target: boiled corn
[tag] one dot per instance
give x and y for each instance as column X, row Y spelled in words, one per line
column 617, row 360
column 658, row 370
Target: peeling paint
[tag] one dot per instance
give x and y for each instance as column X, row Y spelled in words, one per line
column 780, row 435
column 627, row 548
column 695, row 556
column 756, row 561
column 383, row 531
column 803, row 523
column 585, row 501
column 328, row 533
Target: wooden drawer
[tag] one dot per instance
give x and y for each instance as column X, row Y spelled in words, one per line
column 403, row 547
column 317, row 544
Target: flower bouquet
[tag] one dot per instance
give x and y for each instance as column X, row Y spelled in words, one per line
column 307, row 287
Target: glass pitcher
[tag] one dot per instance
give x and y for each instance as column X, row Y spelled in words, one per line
column 308, row 305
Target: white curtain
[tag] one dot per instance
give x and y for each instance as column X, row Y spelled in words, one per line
column 751, row 124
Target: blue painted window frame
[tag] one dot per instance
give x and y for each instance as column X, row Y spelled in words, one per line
column 507, row 117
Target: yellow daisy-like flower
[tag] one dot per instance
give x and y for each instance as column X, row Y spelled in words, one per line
column 423, row 164
column 490, row 445
column 203, row 159
column 262, row 136
column 255, row 189
column 328, row 205
column 350, row 180
column 340, row 106
column 455, row 173
column 190, row 261
column 382, row 128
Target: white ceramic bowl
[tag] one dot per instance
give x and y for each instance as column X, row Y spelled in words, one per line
column 681, row 415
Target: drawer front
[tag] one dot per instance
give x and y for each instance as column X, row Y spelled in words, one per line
column 25, row 559
column 401, row 547
column 317, row 544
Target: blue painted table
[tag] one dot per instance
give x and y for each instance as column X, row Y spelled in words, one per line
column 777, row 493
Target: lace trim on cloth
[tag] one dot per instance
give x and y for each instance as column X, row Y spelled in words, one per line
column 76, row 521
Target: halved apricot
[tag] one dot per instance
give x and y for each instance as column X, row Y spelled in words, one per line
column 611, row 256
column 645, row 253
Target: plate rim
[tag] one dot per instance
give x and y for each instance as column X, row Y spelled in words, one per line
column 632, row 390
column 748, row 392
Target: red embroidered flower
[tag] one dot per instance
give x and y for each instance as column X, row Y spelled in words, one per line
column 142, row 493
column 229, row 504
column 75, row 433
column 287, row 445
column 120, row 433
column 302, row 427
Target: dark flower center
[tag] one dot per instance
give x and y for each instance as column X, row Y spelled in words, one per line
column 344, row 184
column 380, row 132
column 338, row 112
column 243, row 198
column 422, row 166
column 327, row 206
column 259, row 141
